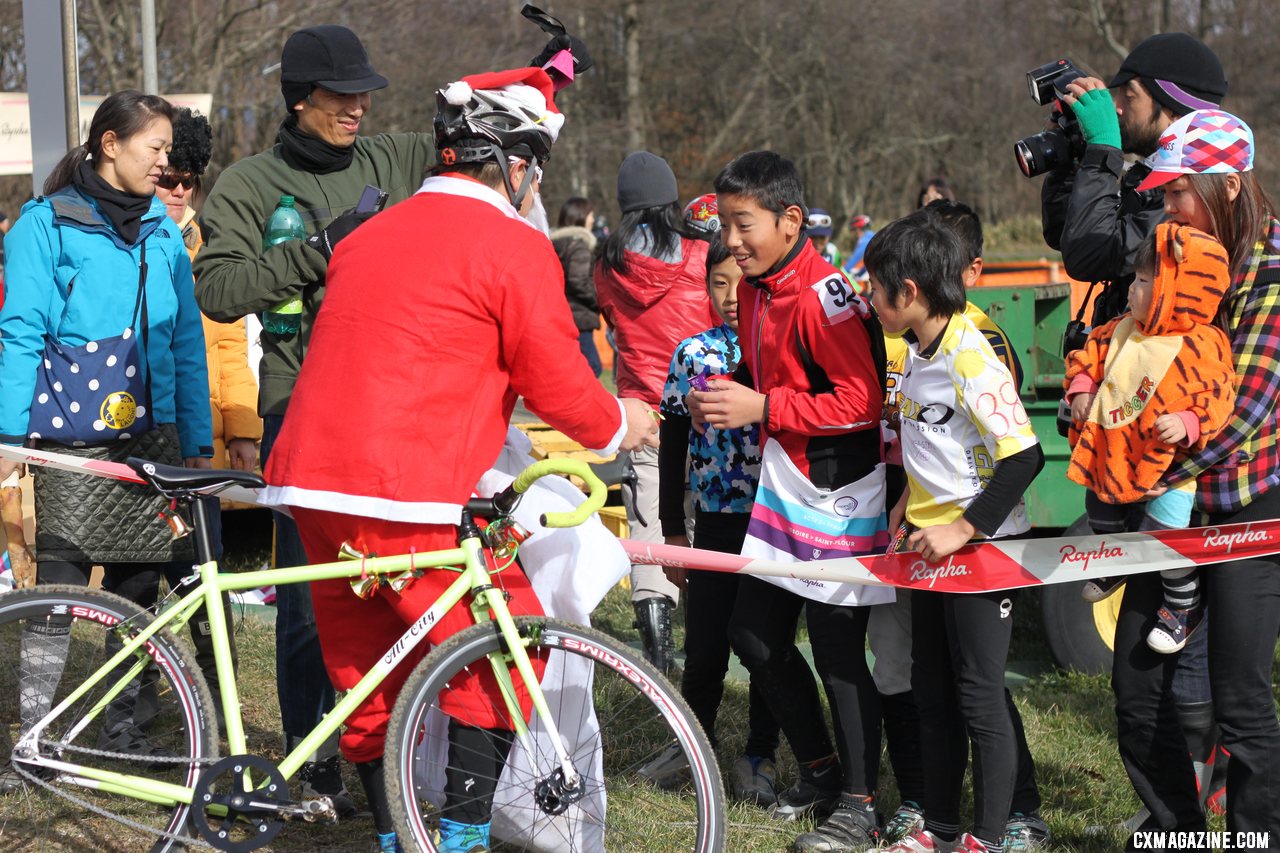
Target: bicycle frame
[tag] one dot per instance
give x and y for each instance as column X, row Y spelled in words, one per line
column 474, row 578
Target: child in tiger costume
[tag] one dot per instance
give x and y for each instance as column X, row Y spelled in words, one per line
column 1153, row 384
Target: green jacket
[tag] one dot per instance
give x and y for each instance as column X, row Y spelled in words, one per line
column 235, row 277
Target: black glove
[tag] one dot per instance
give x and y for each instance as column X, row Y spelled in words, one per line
column 326, row 239
column 560, row 40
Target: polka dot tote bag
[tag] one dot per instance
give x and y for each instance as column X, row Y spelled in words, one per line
column 96, row 393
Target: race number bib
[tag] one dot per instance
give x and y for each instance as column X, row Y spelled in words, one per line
column 839, row 301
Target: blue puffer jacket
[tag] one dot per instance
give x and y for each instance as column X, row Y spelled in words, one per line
column 70, row 275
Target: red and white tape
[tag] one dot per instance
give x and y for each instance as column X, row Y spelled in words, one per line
column 981, row 567
column 1009, row 564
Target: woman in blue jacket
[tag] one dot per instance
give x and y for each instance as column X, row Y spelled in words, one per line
column 96, row 258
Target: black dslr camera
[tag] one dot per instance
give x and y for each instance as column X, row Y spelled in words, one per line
column 1049, row 149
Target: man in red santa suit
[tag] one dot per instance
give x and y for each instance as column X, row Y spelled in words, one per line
column 437, row 314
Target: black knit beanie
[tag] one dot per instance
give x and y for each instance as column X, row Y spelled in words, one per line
column 645, row 180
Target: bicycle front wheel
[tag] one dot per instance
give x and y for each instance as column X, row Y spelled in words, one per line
column 150, row 716
column 648, row 775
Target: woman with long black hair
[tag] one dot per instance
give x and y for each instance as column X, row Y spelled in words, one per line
column 103, row 357
column 651, row 282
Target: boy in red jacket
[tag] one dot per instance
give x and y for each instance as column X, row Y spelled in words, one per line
column 814, row 353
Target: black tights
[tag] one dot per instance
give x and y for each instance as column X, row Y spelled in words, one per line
column 959, row 646
column 763, row 632
column 709, row 600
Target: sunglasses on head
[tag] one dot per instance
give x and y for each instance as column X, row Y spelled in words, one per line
column 170, row 180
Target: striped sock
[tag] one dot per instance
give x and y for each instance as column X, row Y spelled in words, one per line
column 1181, row 588
column 947, row 832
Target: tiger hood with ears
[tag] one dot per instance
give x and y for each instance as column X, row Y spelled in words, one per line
column 1191, row 278
column 1173, row 361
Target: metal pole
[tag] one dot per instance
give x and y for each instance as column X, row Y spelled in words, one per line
column 150, row 78
column 71, row 72
column 49, row 30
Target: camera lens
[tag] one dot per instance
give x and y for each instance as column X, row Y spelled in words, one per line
column 1042, row 152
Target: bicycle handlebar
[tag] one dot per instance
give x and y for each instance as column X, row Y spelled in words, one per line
column 577, row 468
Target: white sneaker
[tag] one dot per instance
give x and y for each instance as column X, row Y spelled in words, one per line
column 754, row 780
column 670, row 770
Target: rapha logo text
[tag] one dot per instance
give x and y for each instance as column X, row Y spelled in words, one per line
column 922, row 571
column 1215, row 538
column 1072, row 554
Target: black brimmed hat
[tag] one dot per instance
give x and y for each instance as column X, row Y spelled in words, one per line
column 328, row 56
column 1180, row 72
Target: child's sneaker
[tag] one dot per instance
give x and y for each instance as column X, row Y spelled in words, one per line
column 970, row 844
column 1172, row 629
column 848, row 830
column 1100, row 588
column 669, row 771
column 454, row 837
column 906, row 821
column 805, row 798
column 919, row 842
column 1026, row 832
column 754, row 780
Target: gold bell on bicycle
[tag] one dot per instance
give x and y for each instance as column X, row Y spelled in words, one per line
column 366, row 585
column 399, row 582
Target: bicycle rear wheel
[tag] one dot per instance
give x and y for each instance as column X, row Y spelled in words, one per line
column 642, row 723
column 160, row 725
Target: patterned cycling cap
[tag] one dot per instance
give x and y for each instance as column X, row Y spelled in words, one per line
column 1205, row 142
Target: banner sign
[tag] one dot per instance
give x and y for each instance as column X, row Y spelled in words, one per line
column 15, row 124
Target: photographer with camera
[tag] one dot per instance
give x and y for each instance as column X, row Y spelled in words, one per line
column 1092, row 210
column 1095, row 212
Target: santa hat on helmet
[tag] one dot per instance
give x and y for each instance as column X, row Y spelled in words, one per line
column 530, row 87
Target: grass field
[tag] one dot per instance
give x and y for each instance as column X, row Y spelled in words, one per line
column 1068, row 717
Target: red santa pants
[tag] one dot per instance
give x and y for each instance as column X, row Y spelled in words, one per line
column 356, row 632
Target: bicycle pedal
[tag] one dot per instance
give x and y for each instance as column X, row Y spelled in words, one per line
column 316, row 810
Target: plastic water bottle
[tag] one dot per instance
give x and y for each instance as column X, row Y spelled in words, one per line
column 284, row 223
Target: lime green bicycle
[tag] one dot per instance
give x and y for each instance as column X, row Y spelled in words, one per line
column 78, row 666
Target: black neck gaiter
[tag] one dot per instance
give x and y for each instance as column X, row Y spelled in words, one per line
column 124, row 210
column 310, row 153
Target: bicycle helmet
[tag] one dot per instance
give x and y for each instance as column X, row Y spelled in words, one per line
column 702, row 214
column 495, row 116
column 859, row 221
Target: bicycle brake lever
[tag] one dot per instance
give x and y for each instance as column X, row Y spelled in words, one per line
column 620, row 471
column 630, row 482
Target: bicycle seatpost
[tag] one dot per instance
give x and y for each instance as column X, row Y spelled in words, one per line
column 200, row 535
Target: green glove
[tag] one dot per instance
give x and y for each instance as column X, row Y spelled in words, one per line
column 1097, row 116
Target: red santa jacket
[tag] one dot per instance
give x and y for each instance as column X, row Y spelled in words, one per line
column 437, row 313
column 815, row 349
column 652, row 308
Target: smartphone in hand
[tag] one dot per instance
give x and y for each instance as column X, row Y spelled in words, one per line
column 372, row 200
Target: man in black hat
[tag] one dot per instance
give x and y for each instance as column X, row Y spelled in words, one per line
column 1165, row 77
column 321, row 160
column 1093, row 212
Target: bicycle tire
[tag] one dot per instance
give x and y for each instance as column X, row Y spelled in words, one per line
column 642, row 720
column 59, row 635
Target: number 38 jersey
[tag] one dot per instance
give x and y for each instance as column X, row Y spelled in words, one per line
column 960, row 414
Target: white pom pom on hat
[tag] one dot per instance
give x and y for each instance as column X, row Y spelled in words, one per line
column 458, row 93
